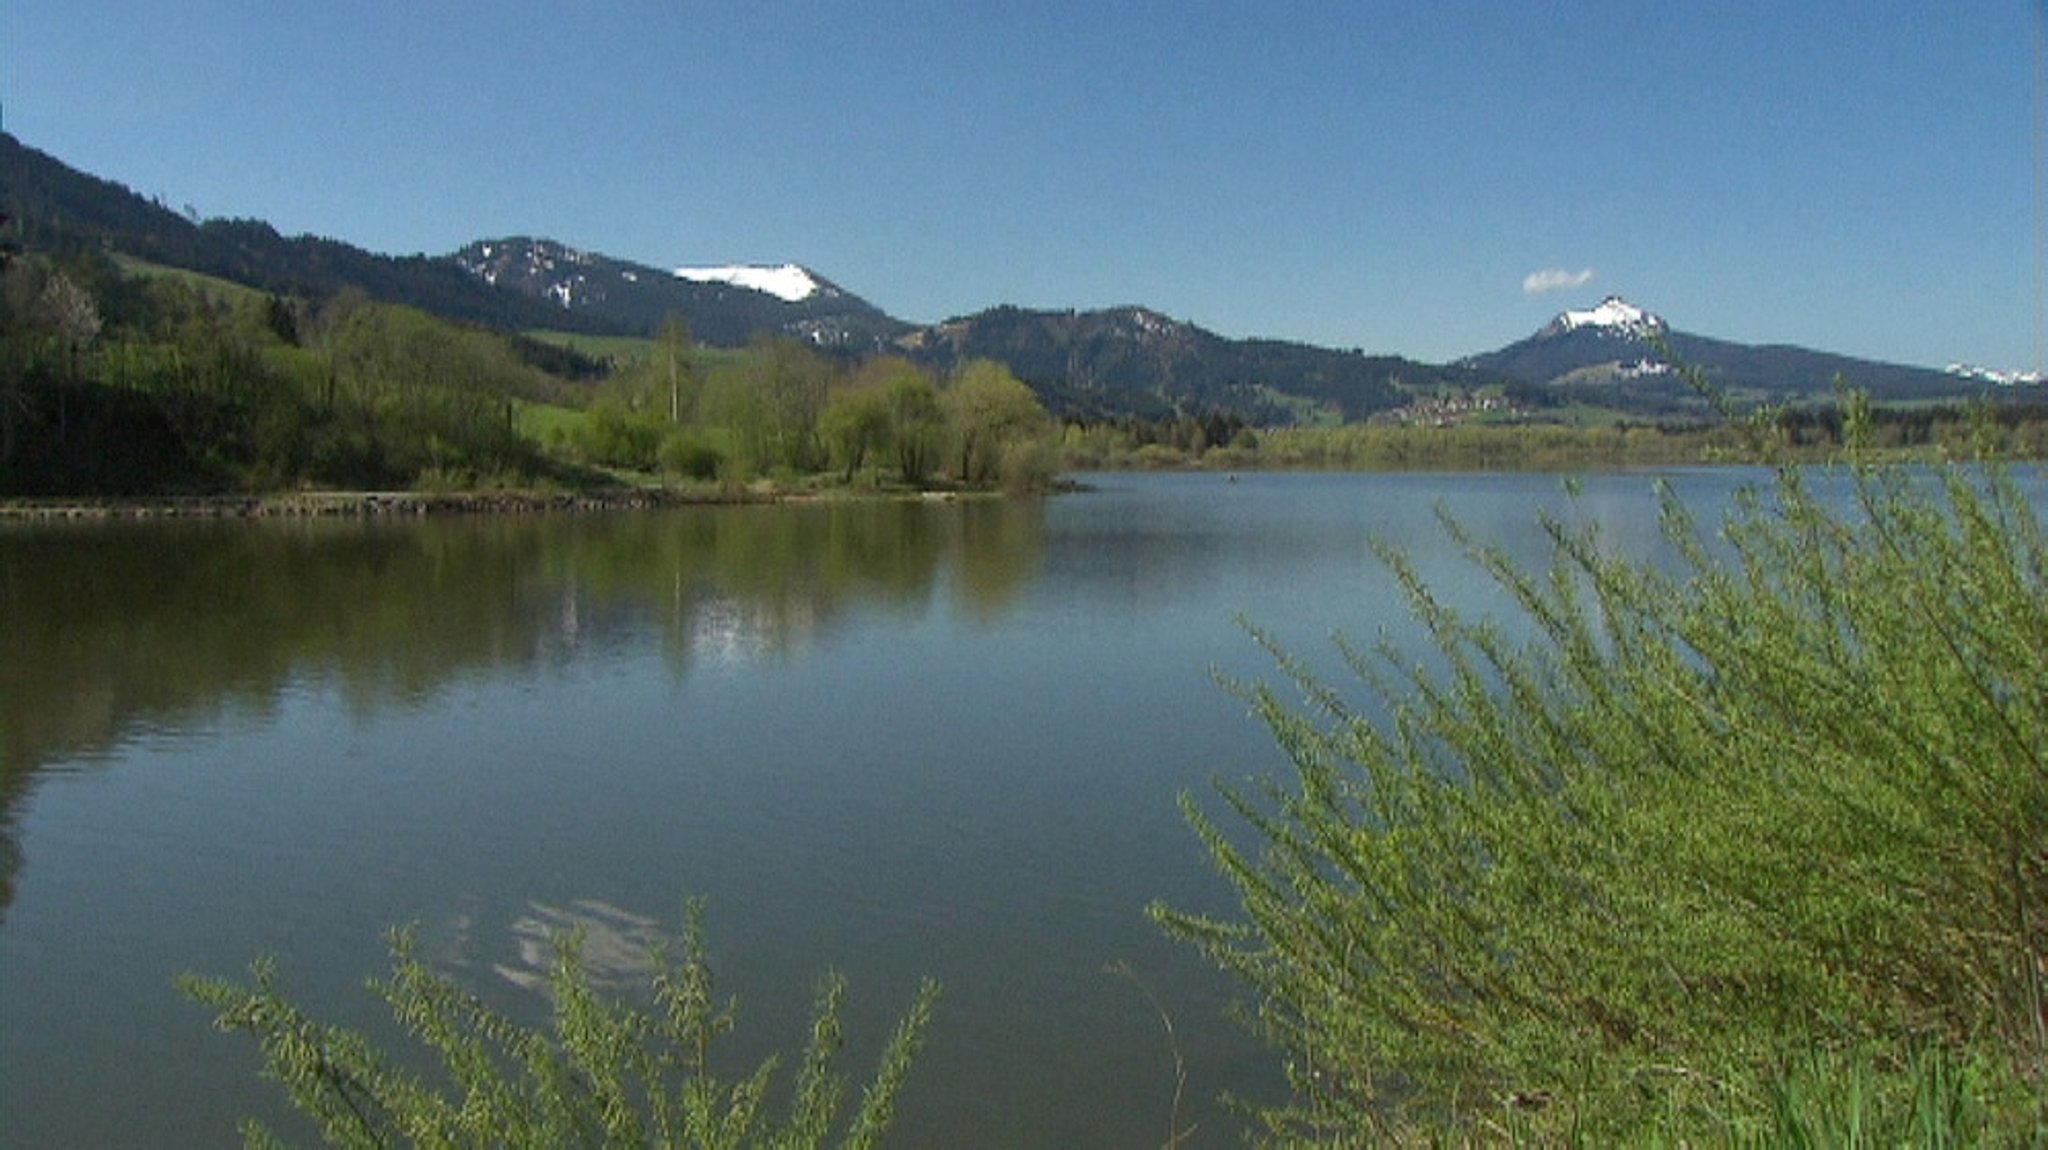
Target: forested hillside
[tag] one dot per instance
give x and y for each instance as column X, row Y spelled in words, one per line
column 117, row 384
column 124, row 379
column 1132, row 361
column 59, row 210
column 1119, row 364
column 145, row 351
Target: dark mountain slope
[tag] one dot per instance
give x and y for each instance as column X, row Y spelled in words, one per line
column 1131, row 361
column 1611, row 353
column 57, row 209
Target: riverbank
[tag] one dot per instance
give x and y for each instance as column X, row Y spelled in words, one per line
column 375, row 504
column 366, row 504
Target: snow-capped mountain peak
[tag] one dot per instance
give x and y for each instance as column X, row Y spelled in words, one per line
column 1613, row 315
column 1971, row 371
column 786, row 282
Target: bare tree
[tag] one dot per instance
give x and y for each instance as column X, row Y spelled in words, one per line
column 70, row 316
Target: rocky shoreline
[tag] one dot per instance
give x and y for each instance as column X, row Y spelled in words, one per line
column 360, row 504
column 371, row 504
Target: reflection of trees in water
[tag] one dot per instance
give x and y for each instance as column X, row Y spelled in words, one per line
column 109, row 628
column 1001, row 548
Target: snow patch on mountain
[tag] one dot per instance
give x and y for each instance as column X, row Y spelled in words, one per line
column 1613, row 314
column 2001, row 378
column 786, row 282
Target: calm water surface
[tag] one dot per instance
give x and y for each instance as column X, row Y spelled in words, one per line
column 892, row 740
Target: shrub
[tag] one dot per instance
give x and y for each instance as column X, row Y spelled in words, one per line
column 690, row 454
column 609, row 1075
column 1158, row 457
column 1028, row 465
column 614, row 436
column 1632, row 877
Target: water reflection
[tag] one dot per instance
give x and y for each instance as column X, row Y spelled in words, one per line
column 895, row 741
column 109, row 632
column 618, row 946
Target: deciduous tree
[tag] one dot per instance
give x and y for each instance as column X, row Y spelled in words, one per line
column 987, row 408
column 917, row 426
column 855, row 423
column 673, row 350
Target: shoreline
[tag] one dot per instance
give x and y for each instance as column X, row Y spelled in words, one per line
column 380, row 504
column 360, row 504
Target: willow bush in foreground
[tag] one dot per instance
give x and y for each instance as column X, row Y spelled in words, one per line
column 1782, row 808
column 608, row 1075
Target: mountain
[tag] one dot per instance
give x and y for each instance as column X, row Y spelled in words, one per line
column 515, row 284
column 1117, row 363
column 725, row 306
column 2001, row 378
column 1111, row 363
column 1610, row 355
column 1132, row 361
column 59, row 209
column 1613, row 318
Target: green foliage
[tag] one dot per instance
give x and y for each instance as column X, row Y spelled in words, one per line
column 792, row 381
column 609, row 1074
column 616, row 436
column 917, row 427
column 733, row 403
column 147, row 384
column 690, row 453
column 1486, row 447
column 1785, row 801
column 1028, row 464
column 990, row 415
column 855, row 425
column 768, row 402
column 1560, row 439
column 1936, row 1099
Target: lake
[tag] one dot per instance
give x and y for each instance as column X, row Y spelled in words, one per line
column 888, row 739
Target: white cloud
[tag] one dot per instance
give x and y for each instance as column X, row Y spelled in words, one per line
column 1555, row 279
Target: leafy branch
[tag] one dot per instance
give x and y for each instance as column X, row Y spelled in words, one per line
column 607, row 1074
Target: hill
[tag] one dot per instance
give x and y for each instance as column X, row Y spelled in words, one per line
column 516, row 284
column 1110, row 364
column 1615, row 355
column 1132, row 361
column 725, row 307
column 59, row 209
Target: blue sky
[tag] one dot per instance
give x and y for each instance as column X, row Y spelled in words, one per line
column 1855, row 177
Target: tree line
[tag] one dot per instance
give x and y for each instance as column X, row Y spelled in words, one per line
column 1217, row 441
column 114, row 383
column 783, row 410
column 119, row 383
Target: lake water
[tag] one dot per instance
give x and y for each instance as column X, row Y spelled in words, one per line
column 893, row 740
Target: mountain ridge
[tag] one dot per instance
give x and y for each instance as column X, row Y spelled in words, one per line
column 1620, row 353
column 630, row 298
column 1105, row 363
column 1090, row 362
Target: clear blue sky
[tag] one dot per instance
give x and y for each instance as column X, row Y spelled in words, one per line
column 1856, row 177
